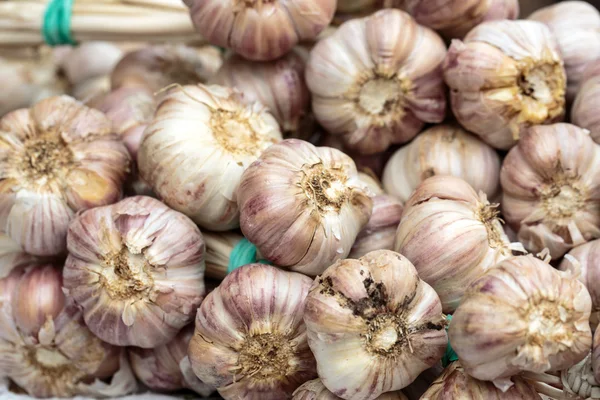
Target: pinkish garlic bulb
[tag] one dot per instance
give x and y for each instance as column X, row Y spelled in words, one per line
column 315, row 390
column 585, row 112
column 256, row 349
column 505, row 77
column 377, row 80
column 136, row 269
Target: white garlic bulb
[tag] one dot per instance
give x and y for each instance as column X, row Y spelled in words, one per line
column 315, row 390
column 373, row 325
column 443, row 150
column 550, row 188
column 522, row 315
column 377, row 80
column 260, row 30
column 585, row 112
column 452, row 235
column 303, row 206
column 576, row 28
column 505, row 77
column 57, row 158
column 256, row 349
column 136, row 268
column 45, row 347
column 89, row 60
column 195, row 150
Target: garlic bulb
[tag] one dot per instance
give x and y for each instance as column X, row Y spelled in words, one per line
column 45, row 347
column 596, row 355
column 586, row 267
column 90, row 60
column 136, row 268
column 161, row 368
column 522, row 315
column 195, row 150
column 371, row 182
column 452, row 235
column 380, row 231
column 260, row 30
column 315, row 390
column 256, row 349
column 156, row 67
column 576, row 28
column 278, row 84
column 377, row 80
column 505, row 77
column 377, row 310
column 455, row 384
column 550, row 188
column 443, row 150
column 12, row 256
column 454, row 19
column 585, row 113
column 303, row 206
column 57, row 158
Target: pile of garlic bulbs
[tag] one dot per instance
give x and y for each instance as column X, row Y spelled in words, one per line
column 316, row 200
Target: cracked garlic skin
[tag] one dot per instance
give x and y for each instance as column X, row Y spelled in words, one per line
column 377, row 80
column 136, row 268
column 256, row 349
column 505, row 77
column 56, row 158
column 585, row 111
column 443, row 150
column 197, row 147
column 550, row 183
column 260, row 30
column 576, row 27
column 315, row 390
column 455, row 384
column 45, row 347
column 303, row 206
column 373, row 325
column 452, row 235
column 522, row 315
column 454, row 19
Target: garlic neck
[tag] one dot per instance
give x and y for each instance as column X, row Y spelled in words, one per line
column 44, row 160
column 266, row 356
column 325, row 187
column 126, row 276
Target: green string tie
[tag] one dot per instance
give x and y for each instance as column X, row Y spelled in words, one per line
column 450, row 355
column 242, row 254
column 56, row 29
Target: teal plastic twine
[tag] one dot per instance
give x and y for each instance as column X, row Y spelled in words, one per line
column 243, row 253
column 56, row 29
column 449, row 356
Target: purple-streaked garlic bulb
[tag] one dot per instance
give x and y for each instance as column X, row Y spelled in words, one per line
column 136, row 269
column 585, row 111
column 256, row 349
column 378, row 80
column 315, row 390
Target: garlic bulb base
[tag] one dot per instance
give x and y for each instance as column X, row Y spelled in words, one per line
column 44, row 160
column 126, row 276
column 266, row 356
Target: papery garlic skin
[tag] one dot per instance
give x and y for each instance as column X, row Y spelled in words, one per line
column 576, row 27
column 260, row 30
column 89, row 60
column 57, row 158
column 303, row 206
column 156, row 67
column 256, row 349
column 585, row 112
column 136, row 268
column 452, row 235
column 586, row 266
column 377, row 310
column 12, row 256
column 315, row 390
column 550, row 188
column 197, row 147
column 443, row 150
column 380, row 231
column 45, row 347
column 455, row 384
column 377, row 80
column 278, row 84
column 505, row 77
column 160, row 368
column 522, row 315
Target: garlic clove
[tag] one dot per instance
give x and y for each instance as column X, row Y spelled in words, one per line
column 257, row 347
column 315, row 390
column 137, row 281
column 303, row 206
column 583, row 113
column 522, row 315
column 394, row 328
